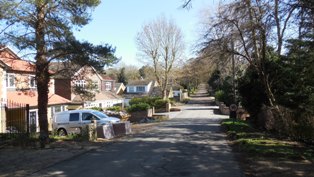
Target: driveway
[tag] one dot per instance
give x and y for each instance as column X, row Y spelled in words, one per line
column 190, row 144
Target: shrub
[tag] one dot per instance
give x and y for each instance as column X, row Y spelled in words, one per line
column 185, row 100
column 138, row 107
column 160, row 103
column 115, row 108
column 219, row 95
column 96, row 108
column 147, row 100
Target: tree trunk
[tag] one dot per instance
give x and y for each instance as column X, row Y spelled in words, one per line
column 42, row 74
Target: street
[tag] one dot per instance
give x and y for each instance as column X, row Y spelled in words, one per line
column 190, row 144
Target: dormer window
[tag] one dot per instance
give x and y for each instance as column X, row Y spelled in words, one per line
column 140, row 89
column 10, row 81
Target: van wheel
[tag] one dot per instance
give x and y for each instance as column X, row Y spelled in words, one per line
column 62, row 132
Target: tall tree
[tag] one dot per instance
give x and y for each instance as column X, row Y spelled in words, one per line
column 161, row 43
column 122, row 77
column 45, row 27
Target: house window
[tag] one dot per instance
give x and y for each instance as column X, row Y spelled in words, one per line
column 32, row 82
column 80, row 83
column 108, row 85
column 10, row 81
column 131, row 89
column 140, row 89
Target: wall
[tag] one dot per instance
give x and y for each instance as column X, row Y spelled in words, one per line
column 63, row 88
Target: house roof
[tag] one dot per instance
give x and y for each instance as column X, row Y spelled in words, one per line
column 19, row 65
column 30, row 97
column 64, row 70
column 105, row 77
column 139, row 82
column 13, row 62
column 105, row 95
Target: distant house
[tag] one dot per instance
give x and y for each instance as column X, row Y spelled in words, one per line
column 18, row 84
column 139, row 87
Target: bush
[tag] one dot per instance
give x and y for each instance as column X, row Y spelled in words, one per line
column 115, row 108
column 219, row 95
column 185, row 100
column 160, row 103
column 138, row 107
column 96, row 108
column 148, row 100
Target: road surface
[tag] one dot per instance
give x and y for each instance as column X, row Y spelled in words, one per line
column 190, row 144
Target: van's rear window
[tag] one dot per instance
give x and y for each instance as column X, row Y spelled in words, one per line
column 74, row 116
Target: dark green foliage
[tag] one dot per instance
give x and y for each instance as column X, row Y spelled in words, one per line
column 160, row 103
column 252, row 94
column 115, row 108
column 138, row 107
column 148, row 100
column 298, row 68
column 215, row 80
column 219, row 95
column 224, row 91
column 122, row 77
column 96, row 108
column 156, row 102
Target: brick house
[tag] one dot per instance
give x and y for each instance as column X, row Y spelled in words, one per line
column 17, row 78
column 85, row 85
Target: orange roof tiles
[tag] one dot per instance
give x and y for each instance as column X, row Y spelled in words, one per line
column 19, row 65
column 15, row 63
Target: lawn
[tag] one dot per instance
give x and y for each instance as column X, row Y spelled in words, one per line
column 249, row 140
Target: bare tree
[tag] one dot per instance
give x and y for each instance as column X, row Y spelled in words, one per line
column 161, row 43
column 247, row 28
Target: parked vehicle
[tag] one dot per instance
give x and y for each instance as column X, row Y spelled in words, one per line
column 73, row 121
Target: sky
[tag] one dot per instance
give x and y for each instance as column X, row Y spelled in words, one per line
column 117, row 22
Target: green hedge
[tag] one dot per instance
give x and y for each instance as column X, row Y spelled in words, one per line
column 160, row 103
column 138, row 107
column 115, row 108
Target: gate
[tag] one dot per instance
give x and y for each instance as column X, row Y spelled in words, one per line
column 14, row 119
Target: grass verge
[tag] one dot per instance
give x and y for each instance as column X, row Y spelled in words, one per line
column 249, row 140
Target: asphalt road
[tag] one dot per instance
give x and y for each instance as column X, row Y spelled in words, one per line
column 191, row 144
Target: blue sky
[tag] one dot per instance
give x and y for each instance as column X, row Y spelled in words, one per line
column 117, row 22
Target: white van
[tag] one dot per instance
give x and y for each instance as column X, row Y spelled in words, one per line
column 73, row 121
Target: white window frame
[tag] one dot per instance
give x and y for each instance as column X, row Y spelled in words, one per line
column 8, row 78
column 80, row 83
column 131, row 89
column 108, row 86
column 32, row 78
column 140, row 89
